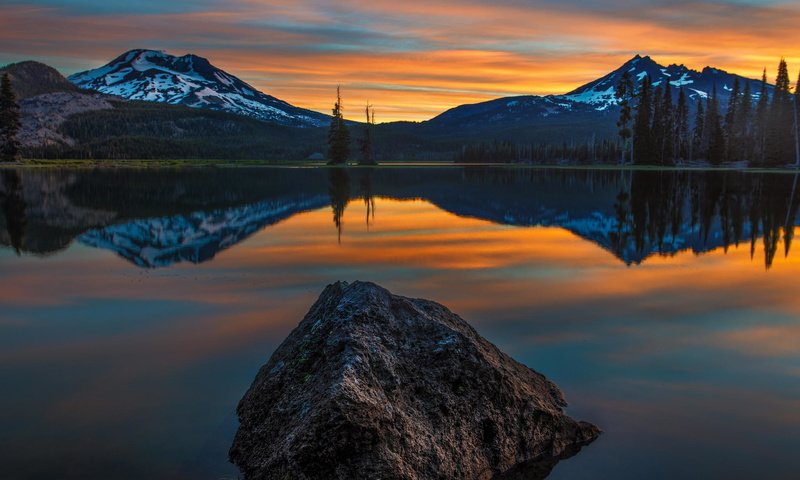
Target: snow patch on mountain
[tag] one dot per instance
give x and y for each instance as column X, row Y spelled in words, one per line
column 190, row 80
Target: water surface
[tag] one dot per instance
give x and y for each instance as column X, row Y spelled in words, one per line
column 137, row 305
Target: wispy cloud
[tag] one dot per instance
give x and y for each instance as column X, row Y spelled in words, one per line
column 411, row 59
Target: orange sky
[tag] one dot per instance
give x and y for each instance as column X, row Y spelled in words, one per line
column 411, row 59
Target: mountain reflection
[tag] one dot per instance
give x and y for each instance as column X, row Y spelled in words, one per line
column 156, row 218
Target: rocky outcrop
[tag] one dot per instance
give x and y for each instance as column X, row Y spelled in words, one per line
column 374, row 385
column 43, row 115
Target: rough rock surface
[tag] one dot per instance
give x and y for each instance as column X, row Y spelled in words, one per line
column 378, row 386
column 42, row 115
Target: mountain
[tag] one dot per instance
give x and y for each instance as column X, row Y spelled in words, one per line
column 191, row 81
column 593, row 102
column 46, row 101
column 30, row 79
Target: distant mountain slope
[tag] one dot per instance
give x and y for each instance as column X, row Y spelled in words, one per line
column 30, row 79
column 47, row 100
column 593, row 102
column 191, row 81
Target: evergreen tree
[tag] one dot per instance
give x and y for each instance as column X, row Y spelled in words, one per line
column 641, row 124
column 9, row 121
column 338, row 135
column 760, row 124
column 714, row 132
column 366, row 140
column 624, row 93
column 667, row 126
column 699, row 128
column 730, row 121
column 657, row 132
column 779, row 135
column 741, row 146
column 682, row 127
column 797, row 122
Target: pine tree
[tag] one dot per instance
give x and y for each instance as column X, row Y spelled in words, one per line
column 366, row 140
column 741, row 147
column 9, row 121
column 667, row 126
column 760, row 125
column 699, row 128
column 624, row 93
column 338, row 135
column 641, row 124
column 714, row 132
column 797, row 122
column 730, row 121
column 657, row 132
column 779, row 135
column 682, row 127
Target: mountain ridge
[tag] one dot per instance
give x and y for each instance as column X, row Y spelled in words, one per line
column 190, row 80
column 592, row 100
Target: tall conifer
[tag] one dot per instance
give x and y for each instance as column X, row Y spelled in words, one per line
column 9, row 121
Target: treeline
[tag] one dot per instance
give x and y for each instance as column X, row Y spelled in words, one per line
column 753, row 127
column 594, row 151
column 148, row 130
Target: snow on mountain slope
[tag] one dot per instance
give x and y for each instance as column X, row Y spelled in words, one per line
column 192, row 81
column 594, row 99
column 697, row 85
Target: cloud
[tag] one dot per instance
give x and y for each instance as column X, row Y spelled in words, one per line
column 411, row 59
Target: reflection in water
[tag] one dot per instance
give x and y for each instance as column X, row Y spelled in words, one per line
column 155, row 219
column 121, row 372
column 13, row 207
column 339, row 191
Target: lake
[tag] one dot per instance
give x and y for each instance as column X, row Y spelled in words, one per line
column 138, row 305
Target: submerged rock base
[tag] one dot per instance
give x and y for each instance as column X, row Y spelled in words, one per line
column 372, row 385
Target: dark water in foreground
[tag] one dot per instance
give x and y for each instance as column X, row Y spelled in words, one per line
column 137, row 306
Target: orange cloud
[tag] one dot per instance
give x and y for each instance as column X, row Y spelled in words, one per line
column 414, row 59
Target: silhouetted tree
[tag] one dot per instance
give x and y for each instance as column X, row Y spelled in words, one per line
column 366, row 141
column 779, row 134
column 741, row 145
column 730, row 120
column 641, row 127
column 338, row 135
column 339, row 191
column 666, row 127
column 716, row 136
column 760, row 125
column 624, row 93
column 699, row 128
column 9, row 121
column 13, row 207
column 797, row 122
column 682, row 138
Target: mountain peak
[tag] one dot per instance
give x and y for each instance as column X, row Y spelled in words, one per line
column 191, row 80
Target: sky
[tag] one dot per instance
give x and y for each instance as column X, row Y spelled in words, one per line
column 411, row 59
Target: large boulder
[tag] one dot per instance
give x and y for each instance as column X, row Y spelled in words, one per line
column 376, row 386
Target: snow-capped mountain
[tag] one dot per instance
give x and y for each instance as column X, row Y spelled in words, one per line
column 594, row 100
column 192, row 81
column 696, row 85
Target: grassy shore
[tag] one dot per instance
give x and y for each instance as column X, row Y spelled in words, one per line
column 199, row 163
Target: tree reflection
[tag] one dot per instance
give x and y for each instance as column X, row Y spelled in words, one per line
column 13, row 207
column 339, row 191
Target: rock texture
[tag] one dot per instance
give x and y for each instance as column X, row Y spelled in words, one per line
column 377, row 386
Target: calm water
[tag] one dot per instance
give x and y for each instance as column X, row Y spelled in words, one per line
column 137, row 306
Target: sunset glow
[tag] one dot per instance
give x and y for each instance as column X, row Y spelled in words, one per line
column 412, row 59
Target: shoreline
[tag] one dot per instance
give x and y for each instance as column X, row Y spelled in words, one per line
column 199, row 163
